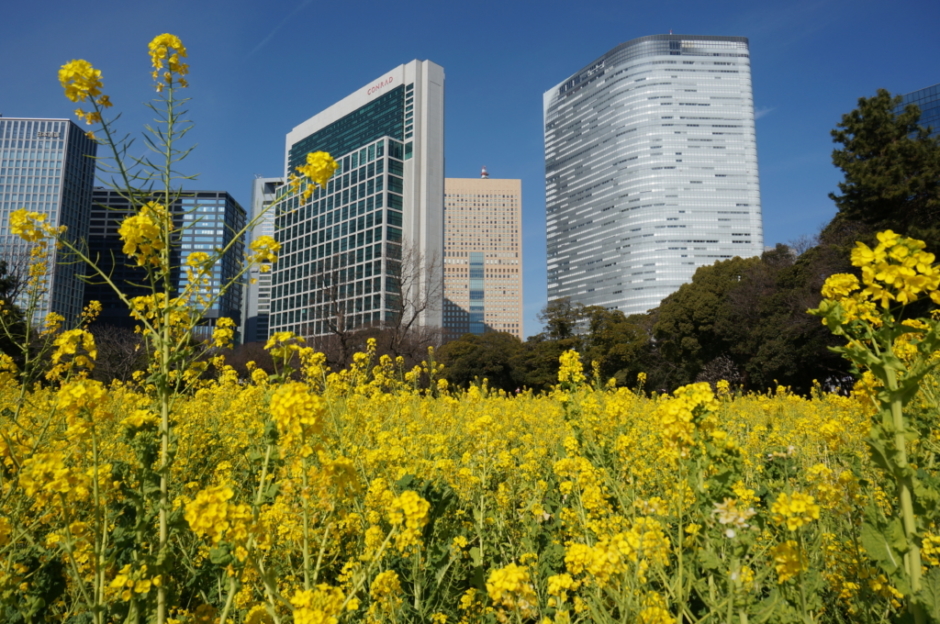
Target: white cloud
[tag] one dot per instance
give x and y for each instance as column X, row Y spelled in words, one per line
column 760, row 112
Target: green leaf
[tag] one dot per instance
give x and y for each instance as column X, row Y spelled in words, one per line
column 220, row 556
column 709, row 560
column 878, row 545
column 772, row 608
column 929, row 595
column 476, row 556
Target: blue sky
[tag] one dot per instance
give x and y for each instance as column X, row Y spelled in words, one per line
column 260, row 68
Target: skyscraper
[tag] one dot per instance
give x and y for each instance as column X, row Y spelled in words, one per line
column 258, row 292
column 204, row 220
column 650, row 169
column 47, row 166
column 928, row 100
column 482, row 256
column 363, row 250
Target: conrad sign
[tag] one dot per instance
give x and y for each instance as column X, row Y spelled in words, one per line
column 381, row 84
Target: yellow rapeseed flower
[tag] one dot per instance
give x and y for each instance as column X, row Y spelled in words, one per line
column 168, row 49
column 789, row 560
column 80, row 80
column 319, row 168
column 28, row 225
column 794, row 510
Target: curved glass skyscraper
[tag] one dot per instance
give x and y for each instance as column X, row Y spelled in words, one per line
column 650, row 169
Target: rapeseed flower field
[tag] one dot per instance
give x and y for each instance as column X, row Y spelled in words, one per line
column 380, row 494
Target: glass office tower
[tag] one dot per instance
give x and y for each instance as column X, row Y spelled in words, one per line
column 345, row 252
column 650, row 169
column 204, row 220
column 928, row 100
column 47, row 166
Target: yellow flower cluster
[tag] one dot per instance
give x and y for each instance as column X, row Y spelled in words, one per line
column 322, row 605
column 84, row 404
column 511, row 588
column 789, row 560
column 142, row 233
column 644, row 544
column 283, row 345
column 6, row 530
column 385, row 592
column 265, row 250
column 80, row 80
column 77, row 343
column 560, row 584
column 168, row 48
column 897, row 270
column 298, row 413
column 654, row 610
column 28, row 225
column 224, row 333
column 410, row 512
column 46, row 474
column 319, row 168
column 794, row 510
column 211, row 515
column 131, row 582
column 690, row 410
column 570, row 370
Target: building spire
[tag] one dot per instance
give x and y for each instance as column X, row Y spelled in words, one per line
column 484, row 174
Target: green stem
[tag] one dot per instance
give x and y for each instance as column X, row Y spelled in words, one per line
column 912, row 559
column 228, row 601
column 304, row 497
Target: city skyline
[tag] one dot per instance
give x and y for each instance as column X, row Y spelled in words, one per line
column 250, row 87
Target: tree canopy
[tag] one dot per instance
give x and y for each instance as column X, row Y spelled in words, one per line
column 891, row 166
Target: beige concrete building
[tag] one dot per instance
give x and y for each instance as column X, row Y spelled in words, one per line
column 482, row 256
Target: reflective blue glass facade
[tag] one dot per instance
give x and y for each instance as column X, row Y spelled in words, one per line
column 47, row 166
column 205, row 220
column 928, row 100
column 383, row 116
column 477, row 288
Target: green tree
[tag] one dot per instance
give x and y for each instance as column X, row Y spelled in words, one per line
column 11, row 316
column 687, row 331
column 473, row 358
column 613, row 341
column 892, row 169
column 561, row 318
column 764, row 322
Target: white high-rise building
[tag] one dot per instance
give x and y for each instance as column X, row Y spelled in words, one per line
column 650, row 170
column 361, row 251
column 258, row 291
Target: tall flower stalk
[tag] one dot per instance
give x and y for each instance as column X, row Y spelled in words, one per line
column 152, row 185
column 898, row 353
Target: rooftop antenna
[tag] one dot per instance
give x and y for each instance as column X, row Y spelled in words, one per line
column 484, row 174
